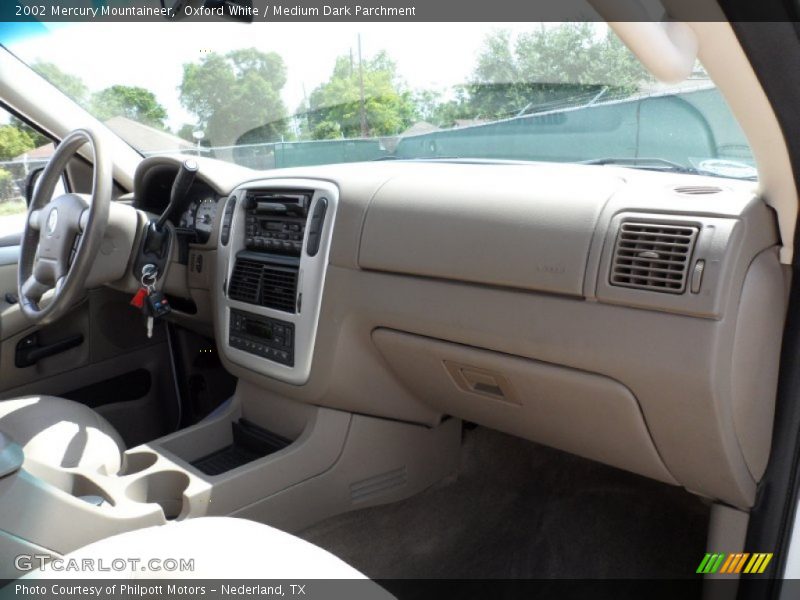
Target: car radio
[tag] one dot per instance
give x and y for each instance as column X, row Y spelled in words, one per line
column 276, row 221
column 262, row 336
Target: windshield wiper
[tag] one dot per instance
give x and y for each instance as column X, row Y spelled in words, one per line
column 653, row 164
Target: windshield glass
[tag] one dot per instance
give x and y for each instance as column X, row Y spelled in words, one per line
column 313, row 93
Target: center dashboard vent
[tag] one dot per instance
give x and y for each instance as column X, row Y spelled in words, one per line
column 653, row 256
column 264, row 284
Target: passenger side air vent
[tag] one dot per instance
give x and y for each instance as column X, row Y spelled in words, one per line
column 264, row 284
column 653, row 256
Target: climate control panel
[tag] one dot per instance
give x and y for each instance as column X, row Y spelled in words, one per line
column 262, row 336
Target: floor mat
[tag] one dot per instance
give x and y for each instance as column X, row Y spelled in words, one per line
column 521, row 510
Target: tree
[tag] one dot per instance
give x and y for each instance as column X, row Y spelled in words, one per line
column 334, row 107
column 236, row 94
column 13, row 142
column 38, row 139
column 71, row 85
column 7, row 188
column 549, row 66
column 445, row 113
column 131, row 102
column 186, row 132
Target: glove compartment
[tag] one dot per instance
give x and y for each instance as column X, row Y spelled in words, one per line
column 576, row 411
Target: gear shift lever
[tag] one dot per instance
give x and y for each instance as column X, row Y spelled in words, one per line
column 180, row 187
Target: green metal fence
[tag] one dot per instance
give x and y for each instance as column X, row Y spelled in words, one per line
column 694, row 125
column 685, row 127
column 297, row 154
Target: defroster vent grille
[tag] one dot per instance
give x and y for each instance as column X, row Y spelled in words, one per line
column 653, row 256
column 265, row 284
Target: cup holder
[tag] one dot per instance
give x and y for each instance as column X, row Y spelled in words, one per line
column 80, row 486
column 137, row 462
column 164, row 488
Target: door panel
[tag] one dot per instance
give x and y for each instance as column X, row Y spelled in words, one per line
column 115, row 349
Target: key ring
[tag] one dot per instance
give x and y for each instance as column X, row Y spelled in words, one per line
column 149, row 276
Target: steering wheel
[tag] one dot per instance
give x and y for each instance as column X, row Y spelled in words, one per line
column 62, row 235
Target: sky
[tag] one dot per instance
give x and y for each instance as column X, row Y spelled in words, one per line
column 151, row 55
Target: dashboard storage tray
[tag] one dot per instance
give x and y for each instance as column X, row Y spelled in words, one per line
column 250, row 442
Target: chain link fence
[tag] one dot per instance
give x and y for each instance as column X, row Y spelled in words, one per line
column 13, row 174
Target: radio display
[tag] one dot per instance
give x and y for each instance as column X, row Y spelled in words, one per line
column 258, row 329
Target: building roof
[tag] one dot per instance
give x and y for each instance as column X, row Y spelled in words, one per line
column 40, row 153
column 420, row 127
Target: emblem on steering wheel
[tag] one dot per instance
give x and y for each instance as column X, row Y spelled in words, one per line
column 52, row 221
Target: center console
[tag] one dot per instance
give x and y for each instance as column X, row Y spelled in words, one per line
column 259, row 457
column 273, row 253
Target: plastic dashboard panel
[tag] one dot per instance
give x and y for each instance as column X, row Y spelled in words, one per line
column 451, row 253
column 517, row 233
column 310, row 285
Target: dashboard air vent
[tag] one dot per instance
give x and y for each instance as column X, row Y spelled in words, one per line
column 698, row 190
column 264, row 284
column 653, row 256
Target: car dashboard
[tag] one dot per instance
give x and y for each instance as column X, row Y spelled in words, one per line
column 617, row 314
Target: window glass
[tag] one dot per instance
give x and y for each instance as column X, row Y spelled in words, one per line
column 22, row 149
column 522, row 91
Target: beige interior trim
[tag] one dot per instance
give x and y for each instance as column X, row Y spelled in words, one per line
column 668, row 50
column 727, row 532
column 723, row 58
column 337, row 461
column 726, row 63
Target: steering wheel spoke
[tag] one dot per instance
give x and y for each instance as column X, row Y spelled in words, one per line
column 32, row 289
column 60, row 284
column 83, row 221
column 35, row 219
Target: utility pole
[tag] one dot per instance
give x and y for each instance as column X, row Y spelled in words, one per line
column 361, row 86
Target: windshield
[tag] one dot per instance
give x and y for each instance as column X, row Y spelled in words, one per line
column 313, row 93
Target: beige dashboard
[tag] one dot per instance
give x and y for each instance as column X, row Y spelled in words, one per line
column 630, row 317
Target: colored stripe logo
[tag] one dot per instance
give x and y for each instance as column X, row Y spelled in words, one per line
column 734, row 563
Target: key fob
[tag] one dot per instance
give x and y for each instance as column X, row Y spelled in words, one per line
column 157, row 305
